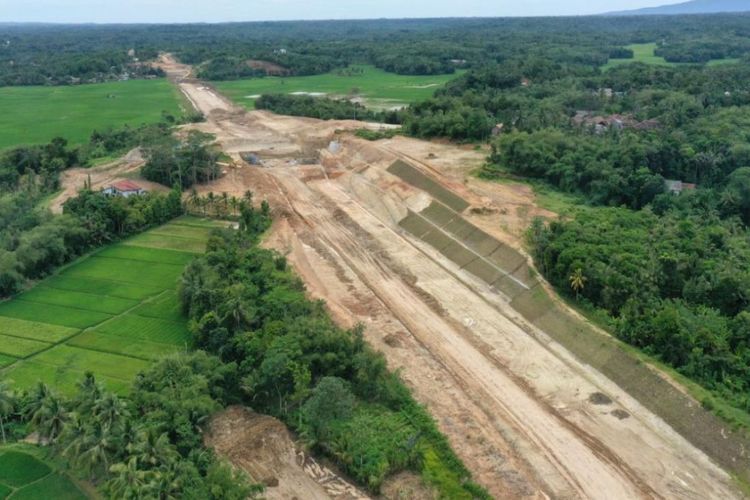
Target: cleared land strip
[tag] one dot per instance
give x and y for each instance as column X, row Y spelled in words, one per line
column 602, row 352
column 110, row 313
column 535, row 400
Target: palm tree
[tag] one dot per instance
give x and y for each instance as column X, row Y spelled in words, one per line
column 194, row 199
column 7, row 405
column 129, row 481
column 233, row 204
column 577, row 281
column 50, row 418
column 110, row 410
column 211, row 200
column 236, row 309
column 152, row 449
column 248, row 197
column 35, row 399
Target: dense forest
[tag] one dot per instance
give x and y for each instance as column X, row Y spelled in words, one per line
column 52, row 55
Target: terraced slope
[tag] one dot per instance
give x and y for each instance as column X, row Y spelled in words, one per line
column 111, row 313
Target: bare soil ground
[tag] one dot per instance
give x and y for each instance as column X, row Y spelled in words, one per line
column 262, row 446
column 101, row 176
column 527, row 418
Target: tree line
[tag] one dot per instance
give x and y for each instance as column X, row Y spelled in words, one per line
column 54, row 55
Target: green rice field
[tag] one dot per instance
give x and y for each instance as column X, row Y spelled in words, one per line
column 24, row 475
column 644, row 53
column 379, row 89
column 34, row 115
column 111, row 313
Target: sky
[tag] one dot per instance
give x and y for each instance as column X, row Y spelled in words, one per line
column 174, row 11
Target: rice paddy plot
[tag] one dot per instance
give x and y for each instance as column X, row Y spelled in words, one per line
column 52, row 314
column 126, row 271
column 24, row 474
column 35, row 115
column 166, row 306
column 645, row 53
column 34, row 330
column 377, row 88
column 6, row 360
column 111, row 365
column 19, row 469
column 29, row 373
column 153, row 240
column 102, row 288
column 143, row 349
column 191, row 220
column 197, row 233
column 160, row 256
column 137, row 328
column 19, row 347
column 111, row 313
column 80, row 300
column 55, row 486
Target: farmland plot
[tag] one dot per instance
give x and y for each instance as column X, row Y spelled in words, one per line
column 24, row 476
column 111, row 313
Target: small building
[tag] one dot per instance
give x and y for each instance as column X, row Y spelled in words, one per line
column 677, row 187
column 497, row 129
column 124, row 188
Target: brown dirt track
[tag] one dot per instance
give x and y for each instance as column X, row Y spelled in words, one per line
column 528, row 418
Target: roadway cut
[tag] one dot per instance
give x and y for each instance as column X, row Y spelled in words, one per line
column 527, row 393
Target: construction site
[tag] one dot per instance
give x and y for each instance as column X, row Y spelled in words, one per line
column 398, row 236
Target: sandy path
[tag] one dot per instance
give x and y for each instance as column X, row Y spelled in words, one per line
column 516, row 406
column 72, row 180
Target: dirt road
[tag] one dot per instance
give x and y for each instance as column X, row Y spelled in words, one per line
column 527, row 418
column 101, row 176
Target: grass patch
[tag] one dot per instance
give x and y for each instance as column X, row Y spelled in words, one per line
column 80, row 300
column 101, row 287
column 143, row 349
column 137, row 328
column 51, row 314
column 34, row 115
column 19, row 347
column 378, row 88
column 35, row 331
column 19, row 469
column 55, row 486
column 644, row 53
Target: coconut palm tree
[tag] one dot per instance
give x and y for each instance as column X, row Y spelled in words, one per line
column 109, row 410
column 211, row 201
column 35, row 399
column 7, row 406
column 128, row 481
column 152, row 449
column 577, row 281
column 50, row 418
